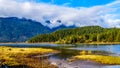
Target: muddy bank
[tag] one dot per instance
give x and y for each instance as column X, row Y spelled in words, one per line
column 64, row 63
column 76, row 64
column 79, row 64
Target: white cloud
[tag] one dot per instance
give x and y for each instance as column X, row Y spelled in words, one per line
column 67, row 4
column 103, row 15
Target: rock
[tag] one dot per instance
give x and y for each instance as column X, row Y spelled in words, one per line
column 53, row 63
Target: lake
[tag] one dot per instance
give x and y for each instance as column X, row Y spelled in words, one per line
column 113, row 50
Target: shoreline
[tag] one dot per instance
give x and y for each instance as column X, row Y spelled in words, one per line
column 92, row 43
column 101, row 43
column 98, row 43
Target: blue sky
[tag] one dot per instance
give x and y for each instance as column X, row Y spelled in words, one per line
column 105, row 13
column 77, row 3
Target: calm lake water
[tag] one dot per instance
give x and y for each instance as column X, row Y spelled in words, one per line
column 97, row 49
column 111, row 49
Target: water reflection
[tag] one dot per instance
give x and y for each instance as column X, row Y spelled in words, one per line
column 112, row 66
column 111, row 49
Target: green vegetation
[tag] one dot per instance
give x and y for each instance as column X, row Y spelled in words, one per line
column 24, row 57
column 88, row 34
column 111, row 60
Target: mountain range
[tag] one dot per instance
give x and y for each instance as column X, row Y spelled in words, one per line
column 13, row 29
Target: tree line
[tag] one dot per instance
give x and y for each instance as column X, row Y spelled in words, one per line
column 85, row 34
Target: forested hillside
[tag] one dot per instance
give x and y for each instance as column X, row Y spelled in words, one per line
column 13, row 29
column 85, row 34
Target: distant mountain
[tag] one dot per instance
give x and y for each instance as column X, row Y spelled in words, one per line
column 13, row 29
column 62, row 27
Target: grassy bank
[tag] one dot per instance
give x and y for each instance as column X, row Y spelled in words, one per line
column 109, row 60
column 101, row 43
column 23, row 57
column 91, row 43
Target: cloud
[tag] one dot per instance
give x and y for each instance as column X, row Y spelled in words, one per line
column 67, row 4
column 103, row 15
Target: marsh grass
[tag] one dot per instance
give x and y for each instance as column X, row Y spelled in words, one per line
column 23, row 57
column 109, row 60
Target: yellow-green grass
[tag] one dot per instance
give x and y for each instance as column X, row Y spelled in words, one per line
column 100, row 43
column 22, row 56
column 110, row 60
